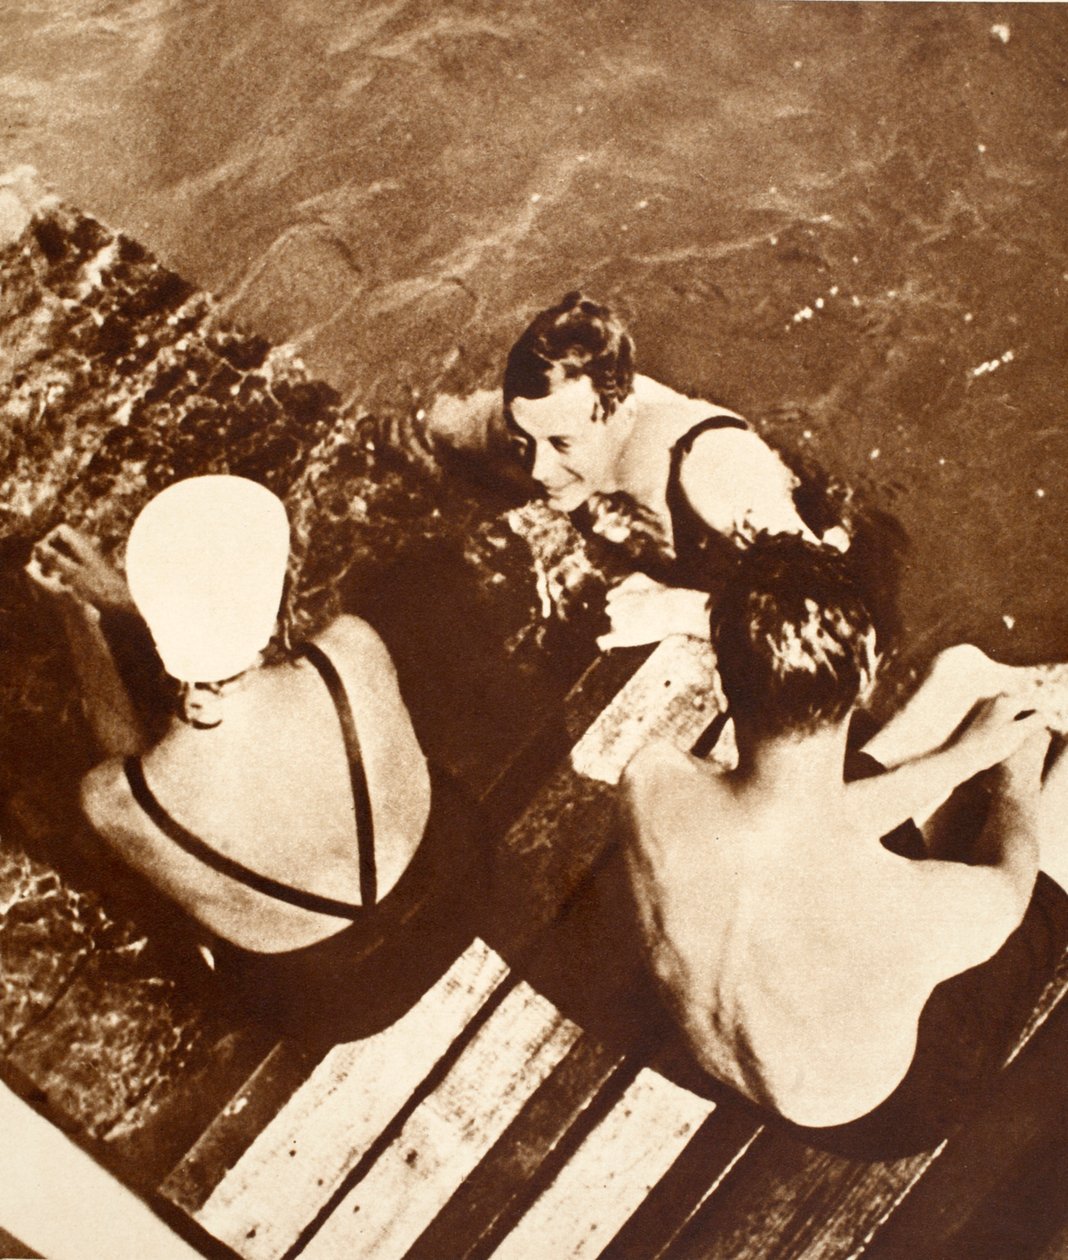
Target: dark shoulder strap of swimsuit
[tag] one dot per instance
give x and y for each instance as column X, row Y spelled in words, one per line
column 361, row 797
column 686, row 526
column 228, row 866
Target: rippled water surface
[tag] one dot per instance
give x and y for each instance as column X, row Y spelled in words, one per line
column 847, row 221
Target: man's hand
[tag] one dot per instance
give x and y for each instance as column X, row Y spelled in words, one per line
column 642, row 610
column 997, row 728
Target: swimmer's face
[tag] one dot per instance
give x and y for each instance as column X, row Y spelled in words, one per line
column 566, row 443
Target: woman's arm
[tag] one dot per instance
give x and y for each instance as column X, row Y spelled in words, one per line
column 69, row 568
column 106, row 702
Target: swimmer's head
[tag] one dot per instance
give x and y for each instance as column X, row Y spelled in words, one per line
column 575, row 338
column 206, row 564
column 568, row 373
column 794, row 638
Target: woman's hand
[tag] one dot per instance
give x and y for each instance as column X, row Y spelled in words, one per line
column 642, row 610
column 66, row 563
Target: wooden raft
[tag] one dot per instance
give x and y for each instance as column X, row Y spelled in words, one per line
column 489, row 1122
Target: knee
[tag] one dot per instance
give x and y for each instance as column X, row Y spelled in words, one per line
column 961, row 658
column 965, row 665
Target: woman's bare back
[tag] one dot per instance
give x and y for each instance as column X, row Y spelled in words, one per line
column 270, row 787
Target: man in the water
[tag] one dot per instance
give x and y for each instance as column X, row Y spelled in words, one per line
column 795, row 921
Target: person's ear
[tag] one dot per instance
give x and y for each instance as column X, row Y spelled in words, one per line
column 869, row 668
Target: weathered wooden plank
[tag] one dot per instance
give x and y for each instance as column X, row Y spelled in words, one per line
column 260, row 1097
column 548, row 745
column 599, row 686
column 1052, row 1000
column 12, row 1249
column 716, row 1149
column 448, row 1134
column 53, row 1194
column 610, row 1173
column 499, row 1188
column 294, row 1165
column 788, row 1200
column 1026, row 1115
column 673, row 696
column 572, row 820
column 142, row 1148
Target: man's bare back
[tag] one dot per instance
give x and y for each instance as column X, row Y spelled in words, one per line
column 799, row 951
column 796, row 950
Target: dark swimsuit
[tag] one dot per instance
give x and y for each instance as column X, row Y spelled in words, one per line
column 968, row 1026
column 705, row 558
column 701, row 554
column 365, row 975
column 700, row 557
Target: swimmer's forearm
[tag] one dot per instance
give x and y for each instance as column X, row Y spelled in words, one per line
column 106, row 702
column 913, row 790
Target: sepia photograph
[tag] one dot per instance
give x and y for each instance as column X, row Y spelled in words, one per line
column 533, row 630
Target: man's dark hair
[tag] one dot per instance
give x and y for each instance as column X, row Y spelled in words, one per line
column 576, row 337
column 793, row 637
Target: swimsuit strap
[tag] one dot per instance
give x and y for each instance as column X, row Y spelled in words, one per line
column 193, row 845
column 361, row 796
column 688, row 530
column 364, row 820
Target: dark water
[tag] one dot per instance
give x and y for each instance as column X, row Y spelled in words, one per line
column 847, row 221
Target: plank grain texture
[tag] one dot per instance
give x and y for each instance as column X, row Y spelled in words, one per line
column 610, row 1173
column 500, row 1188
column 446, row 1137
column 305, row 1152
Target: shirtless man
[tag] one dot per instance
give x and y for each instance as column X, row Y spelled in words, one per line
column 795, row 948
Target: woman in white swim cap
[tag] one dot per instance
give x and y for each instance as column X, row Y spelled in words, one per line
column 286, row 805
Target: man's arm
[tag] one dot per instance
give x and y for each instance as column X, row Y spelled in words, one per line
column 739, row 487
column 972, row 909
column 917, row 787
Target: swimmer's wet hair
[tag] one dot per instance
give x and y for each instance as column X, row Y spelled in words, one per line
column 793, row 637
column 576, row 337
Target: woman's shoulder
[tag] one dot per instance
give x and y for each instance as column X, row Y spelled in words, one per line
column 353, row 640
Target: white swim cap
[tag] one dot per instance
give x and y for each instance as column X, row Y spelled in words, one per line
column 206, row 563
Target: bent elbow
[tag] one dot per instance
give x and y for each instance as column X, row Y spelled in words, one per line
column 98, row 799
